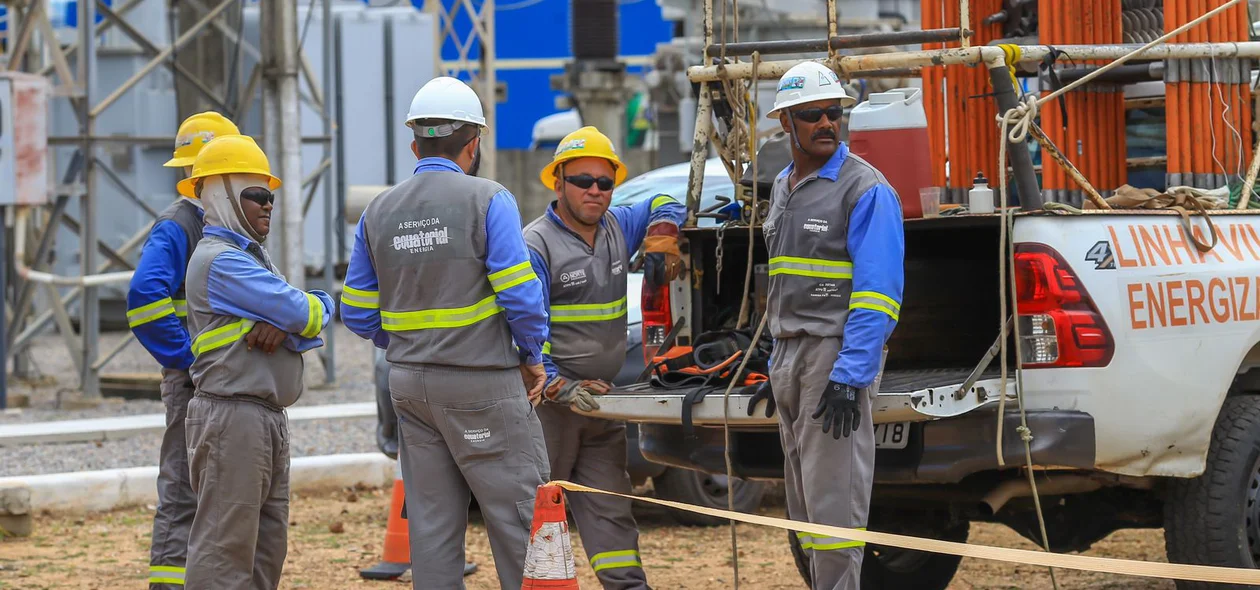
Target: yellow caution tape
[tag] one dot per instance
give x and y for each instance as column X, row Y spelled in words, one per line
column 1128, row 567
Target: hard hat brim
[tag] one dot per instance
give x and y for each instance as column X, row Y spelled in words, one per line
column 548, row 174
column 185, row 186
column 843, row 97
column 179, row 162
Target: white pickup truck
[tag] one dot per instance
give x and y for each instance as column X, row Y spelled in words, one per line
column 1137, row 362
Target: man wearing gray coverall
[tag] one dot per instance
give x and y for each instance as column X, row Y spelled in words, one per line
column 836, row 245
column 249, row 328
column 440, row 278
column 580, row 249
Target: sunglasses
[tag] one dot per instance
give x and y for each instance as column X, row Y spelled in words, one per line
column 259, row 195
column 813, row 115
column 584, row 181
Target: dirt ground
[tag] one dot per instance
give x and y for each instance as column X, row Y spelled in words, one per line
column 110, row 551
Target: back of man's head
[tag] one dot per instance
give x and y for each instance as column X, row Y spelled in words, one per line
column 448, row 146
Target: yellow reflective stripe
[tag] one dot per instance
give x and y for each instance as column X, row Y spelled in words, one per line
column 811, row 267
column 546, row 348
column 615, row 559
column 147, row 313
column 360, row 298
column 181, row 307
column 875, row 301
column 166, row 574
column 398, row 321
column 660, row 200
column 221, row 336
column 809, row 541
column 512, row 276
column 314, row 313
column 589, row 312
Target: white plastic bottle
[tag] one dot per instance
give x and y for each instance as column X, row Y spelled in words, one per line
column 980, row 198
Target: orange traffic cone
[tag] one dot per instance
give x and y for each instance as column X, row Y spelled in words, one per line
column 396, row 558
column 549, row 560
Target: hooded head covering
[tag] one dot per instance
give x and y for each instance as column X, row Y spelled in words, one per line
column 220, row 194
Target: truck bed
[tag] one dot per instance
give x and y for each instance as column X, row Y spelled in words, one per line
column 912, row 395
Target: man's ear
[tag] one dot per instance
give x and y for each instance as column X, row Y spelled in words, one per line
column 783, row 122
column 470, row 149
column 415, row 149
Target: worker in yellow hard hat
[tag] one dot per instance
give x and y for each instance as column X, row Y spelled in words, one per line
column 249, row 328
column 156, row 314
column 580, row 248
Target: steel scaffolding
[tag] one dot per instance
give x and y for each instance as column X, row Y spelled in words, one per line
column 474, row 61
column 32, row 45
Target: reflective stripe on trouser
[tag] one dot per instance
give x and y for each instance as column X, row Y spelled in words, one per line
column 592, row 451
column 465, row 431
column 810, row 541
column 827, row 481
column 165, row 576
column 176, row 505
column 239, row 466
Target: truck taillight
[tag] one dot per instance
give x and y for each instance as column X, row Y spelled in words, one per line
column 1058, row 322
column 657, row 320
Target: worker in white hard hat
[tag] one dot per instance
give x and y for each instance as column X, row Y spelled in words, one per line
column 157, row 314
column 836, row 244
column 440, row 277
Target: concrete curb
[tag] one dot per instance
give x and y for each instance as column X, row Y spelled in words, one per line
column 110, row 489
column 103, row 429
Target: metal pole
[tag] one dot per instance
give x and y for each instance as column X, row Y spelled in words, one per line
column 490, row 145
column 91, row 311
column 282, row 130
column 976, row 55
column 330, row 348
column 1026, row 186
column 838, row 42
column 4, row 371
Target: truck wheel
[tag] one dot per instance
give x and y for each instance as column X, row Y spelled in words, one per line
column 889, row 568
column 1214, row 519
column 703, row 489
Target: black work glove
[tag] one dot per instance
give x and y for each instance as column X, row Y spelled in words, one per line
column 654, row 269
column 839, row 408
column 763, row 392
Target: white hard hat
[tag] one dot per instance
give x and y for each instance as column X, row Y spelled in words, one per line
column 445, row 98
column 807, row 82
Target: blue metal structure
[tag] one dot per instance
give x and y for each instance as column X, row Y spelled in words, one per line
column 532, row 43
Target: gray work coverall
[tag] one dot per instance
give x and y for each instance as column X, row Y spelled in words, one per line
column 168, row 548
column 590, row 343
column 465, row 422
column 828, row 481
column 238, row 434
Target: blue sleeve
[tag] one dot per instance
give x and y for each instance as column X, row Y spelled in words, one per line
column 877, row 246
column 517, row 288
column 544, row 277
column 635, row 219
column 238, row 286
column 360, row 294
column 152, row 313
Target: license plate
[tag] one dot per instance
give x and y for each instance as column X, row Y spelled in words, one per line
column 892, row 435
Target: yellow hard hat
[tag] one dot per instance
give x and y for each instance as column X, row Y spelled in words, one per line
column 228, row 154
column 195, row 132
column 586, row 142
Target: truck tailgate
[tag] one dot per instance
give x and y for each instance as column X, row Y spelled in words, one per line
column 905, row 396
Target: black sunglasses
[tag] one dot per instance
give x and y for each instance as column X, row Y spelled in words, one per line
column 812, row 115
column 259, row 195
column 584, row 181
